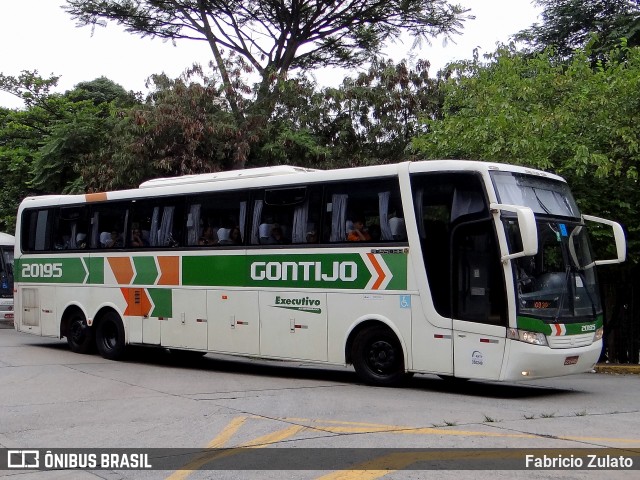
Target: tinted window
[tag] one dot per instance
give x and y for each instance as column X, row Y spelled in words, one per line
column 286, row 216
column 369, row 211
column 216, row 220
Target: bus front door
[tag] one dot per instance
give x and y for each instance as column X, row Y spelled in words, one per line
column 478, row 302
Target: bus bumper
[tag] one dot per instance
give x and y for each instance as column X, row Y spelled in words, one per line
column 528, row 362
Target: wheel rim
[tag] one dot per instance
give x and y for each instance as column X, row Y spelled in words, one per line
column 382, row 357
column 110, row 335
column 77, row 331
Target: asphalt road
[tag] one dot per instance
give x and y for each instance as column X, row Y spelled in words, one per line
column 51, row 398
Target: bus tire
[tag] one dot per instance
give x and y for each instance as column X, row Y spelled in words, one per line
column 80, row 336
column 378, row 357
column 110, row 336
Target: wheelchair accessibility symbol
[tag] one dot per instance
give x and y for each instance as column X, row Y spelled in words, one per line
column 405, row 301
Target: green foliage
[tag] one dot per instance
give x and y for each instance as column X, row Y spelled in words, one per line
column 568, row 25
column 538, row 111
column 368, row 119
column 42, row 145
column 182, row 128
column 275, row 37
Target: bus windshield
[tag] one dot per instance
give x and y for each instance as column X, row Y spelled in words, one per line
column 558, row 285
column 542, row 195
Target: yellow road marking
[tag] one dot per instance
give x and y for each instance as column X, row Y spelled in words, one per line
column 358, row 427
column 222, row 439
column 218, row 442
column 371, row 469
column 386, row 464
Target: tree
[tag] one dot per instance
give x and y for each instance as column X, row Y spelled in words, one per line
column 368, row 119
column 56, row 132
column 182, row 128
column 275, row 37
column 568, row 25
column 537, row 111
column 569, row 118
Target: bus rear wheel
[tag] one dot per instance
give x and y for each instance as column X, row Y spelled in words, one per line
column 378, row 358
column 110, row 336
column 79, row 334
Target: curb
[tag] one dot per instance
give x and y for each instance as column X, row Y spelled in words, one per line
column 617, row 368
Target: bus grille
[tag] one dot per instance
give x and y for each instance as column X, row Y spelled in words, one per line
column 570, row 341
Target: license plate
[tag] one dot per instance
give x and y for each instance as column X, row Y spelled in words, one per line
column 571, row 360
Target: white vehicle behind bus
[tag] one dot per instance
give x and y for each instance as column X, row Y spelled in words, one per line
column 462, row 269
column 7, row 243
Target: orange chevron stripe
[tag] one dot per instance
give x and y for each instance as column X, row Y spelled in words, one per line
column 122, row 269
column 169, row 270
column 138, row 302
column 379, row 271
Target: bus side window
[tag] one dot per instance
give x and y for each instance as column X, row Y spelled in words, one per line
column 374, row 206
column 283, row 216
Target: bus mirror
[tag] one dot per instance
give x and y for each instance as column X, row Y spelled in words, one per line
column 618, row 235
column 527, row 227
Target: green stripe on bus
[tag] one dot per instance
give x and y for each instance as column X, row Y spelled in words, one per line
column 96, row 270
column 146, row 270
column 214, row 271
column 336, row 270
column 162, row 301
column 47, row 270
column 536, row 325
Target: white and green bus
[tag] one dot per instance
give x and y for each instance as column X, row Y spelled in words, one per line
column 7, row 243
column 456, row 268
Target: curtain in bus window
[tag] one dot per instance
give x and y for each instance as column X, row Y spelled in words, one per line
column 383, row 205
column 95, row 234
column 74, row 233
column 554, row 202
column 155, row 221
column 510, row 192
column 466, row 202
column 338, row 217
column 164, row 235
column 193, row 224
column 255, row 225
column 42, row 230
column 242, row 218
column 419, row 212
column 300, row 221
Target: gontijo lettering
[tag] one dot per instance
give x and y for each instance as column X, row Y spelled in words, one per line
column 305, row 271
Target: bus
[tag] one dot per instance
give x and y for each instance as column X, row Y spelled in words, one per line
column 7, row 243
column 462, row 269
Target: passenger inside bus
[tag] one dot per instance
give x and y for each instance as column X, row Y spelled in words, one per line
column 208, row 237
column 359, row 232
column 137, row 238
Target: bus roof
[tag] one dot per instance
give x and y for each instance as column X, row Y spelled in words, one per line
column 6, row 239
column 277, row 176
column 228, row 175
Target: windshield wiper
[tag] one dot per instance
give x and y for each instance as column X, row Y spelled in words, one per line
column 563, row 294
column 583, row 278
column 544, row 207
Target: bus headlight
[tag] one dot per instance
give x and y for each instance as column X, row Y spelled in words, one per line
column 598, row 335
column 534, row 338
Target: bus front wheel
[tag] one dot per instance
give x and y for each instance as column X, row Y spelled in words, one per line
column 378, row 358
column 79, row 334
column 110, row 336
